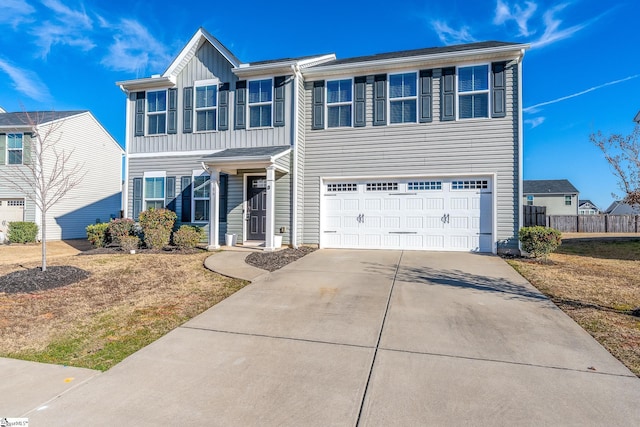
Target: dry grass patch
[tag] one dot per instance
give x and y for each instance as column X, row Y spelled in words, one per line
column 597, row 283
column 127, row 302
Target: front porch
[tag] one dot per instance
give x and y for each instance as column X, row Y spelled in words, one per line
column 253, row 216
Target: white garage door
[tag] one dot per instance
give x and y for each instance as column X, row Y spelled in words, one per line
column 419, row 214
column 10, row 210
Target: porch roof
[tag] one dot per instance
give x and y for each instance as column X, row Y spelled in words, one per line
column 232, row 159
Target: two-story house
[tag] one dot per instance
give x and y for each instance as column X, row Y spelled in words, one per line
column 559, row 196
column 87, row 147
column 417, row 149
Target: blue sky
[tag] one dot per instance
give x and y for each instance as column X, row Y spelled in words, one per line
column 581, row 74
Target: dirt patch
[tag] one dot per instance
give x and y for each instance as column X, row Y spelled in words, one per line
column 272, row 261
column 17, row 253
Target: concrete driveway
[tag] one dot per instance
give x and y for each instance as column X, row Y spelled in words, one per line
column 367, row 338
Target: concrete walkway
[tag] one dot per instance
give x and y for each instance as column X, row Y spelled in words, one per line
column 231, row 263
column 367, row 338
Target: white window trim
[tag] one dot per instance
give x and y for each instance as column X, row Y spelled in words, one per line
column 6, row 156
column 147, row 113
column 200, row 83
column 153, row 174
column 474, row 92
column 338, row 104
column 402, row 98
column 255, row 104
column 197, row 173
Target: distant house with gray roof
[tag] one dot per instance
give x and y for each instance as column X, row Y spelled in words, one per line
column 91, row 147
column 621, row 208
column 559, row 196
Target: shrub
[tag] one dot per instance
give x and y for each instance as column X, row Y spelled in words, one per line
column 129, row 243
column 119, row 228
column 22, row 232
column 539, row 241
column 97, row 234
column 187, row 236
column 156, row 227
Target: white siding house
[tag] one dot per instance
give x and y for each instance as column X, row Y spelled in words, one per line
column 91, row 148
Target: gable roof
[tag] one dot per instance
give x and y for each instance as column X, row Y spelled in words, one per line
column 621, row 208
column 583, row 202
column 22, row 118
column 637, row 118
column 189, row 51
column 548, row 186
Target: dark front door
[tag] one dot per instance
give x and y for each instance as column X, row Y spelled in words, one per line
column 256, row 207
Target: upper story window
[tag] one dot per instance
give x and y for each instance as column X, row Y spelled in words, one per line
column 530, row 200
column 154, row 192
column 156, row 112
column 206, row 107
column 339, row 103
column 567, row 200
column 473, row 92
column 260, row 103
column 15, row 145
column 403, row 100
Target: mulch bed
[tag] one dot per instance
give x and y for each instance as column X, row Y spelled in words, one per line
column 272, row 261
column 34, row 279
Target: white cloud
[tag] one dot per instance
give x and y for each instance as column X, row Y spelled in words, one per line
column 552, row 32
column 535, row 108
column 15, row 12
column 66, row 26
column 450, row 36
column 535, row 122
column 26, row 81
column 134, row 49
column 521, row 15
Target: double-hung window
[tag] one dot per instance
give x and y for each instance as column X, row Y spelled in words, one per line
column 156, row 112
column 206, row 107
column 567, row 200
column 529, row 200
column 15, row 145
column 339, row 103
column 473, row 92
column 403, row 98
column 260, row 103
column 201, row 191
column 154, row 191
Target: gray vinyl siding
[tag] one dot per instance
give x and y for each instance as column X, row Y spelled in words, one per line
column 472, row 146
column 208, row 63
column 283, row 199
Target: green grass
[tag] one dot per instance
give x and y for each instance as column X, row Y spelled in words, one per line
column 611, row 249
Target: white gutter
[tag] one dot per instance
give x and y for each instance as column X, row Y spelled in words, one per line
column 127, row 138
column 294, row 168
column 520, row 144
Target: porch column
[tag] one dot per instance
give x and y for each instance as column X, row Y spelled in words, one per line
column 269, row 244
column 214, row 209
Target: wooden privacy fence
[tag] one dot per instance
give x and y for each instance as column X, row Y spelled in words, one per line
column 594, row 223
column 534, row 215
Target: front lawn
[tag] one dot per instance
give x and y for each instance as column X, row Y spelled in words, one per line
column 125, row 303
column 597, row 283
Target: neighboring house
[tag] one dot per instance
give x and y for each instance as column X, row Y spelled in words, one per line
column 559, row 196
column 97, row 198
column 405, row 150
column 622, row 208
column 637, row 118
column 587, row 207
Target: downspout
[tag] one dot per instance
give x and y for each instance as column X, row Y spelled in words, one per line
column 294, row 168
column 520, row 145
column 125, row 187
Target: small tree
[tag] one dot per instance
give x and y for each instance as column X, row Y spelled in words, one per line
column 47, row 173
column 622, row 152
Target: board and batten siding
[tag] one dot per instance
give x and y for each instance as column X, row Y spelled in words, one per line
column 471, row 146
column 207, row 64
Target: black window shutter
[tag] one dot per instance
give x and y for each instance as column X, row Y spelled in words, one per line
column 498, row 89
column 223, row 107
column 137, row 197
column 139, row 126
column 317, row 105
column 170, row 193
column 426, row 96
column 223, row 184
column 185, row 185
column 187, row 110
column 241, row 105
column 172, row 111
column 360, row 113
column 448, row 94
column 380, row 100
column 278, row 101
